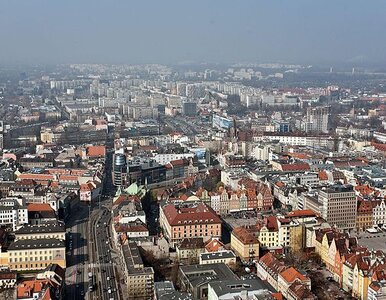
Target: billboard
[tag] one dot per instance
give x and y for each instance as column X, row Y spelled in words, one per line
column 221, row 122
column 199, row 152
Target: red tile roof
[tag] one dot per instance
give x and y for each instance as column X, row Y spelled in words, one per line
column 201, row 214
column 291, row 274
column 96, row 151
column 214, row 245
column 271, row 223
column 39, row 207
column 36, row 177
column 295, row 167
column 27, row 288
column 323, row 176
column 301, row 213
column 246, row 235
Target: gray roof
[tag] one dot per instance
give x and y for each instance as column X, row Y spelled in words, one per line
column 236, row 287
column 203, row 274
column 133, row 260
column 42, row 228
column 176, row 295
column 36, row 244
column 217, row 255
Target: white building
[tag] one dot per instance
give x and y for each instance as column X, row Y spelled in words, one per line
column 13, row 212
column 164, row 158
column 262, row 152
column 215, row 203
column 226, row 256
column 318, row 119
column 379, row 214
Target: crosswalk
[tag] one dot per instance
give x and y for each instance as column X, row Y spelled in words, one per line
column 95, row 266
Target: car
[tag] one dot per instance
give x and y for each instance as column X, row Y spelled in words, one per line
column 109, row 291
column 108, row 278
column 81, row 293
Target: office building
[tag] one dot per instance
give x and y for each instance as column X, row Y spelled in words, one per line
column 318, row 119
column 195, row 279
column 189, row 109
column 119, row 170
column 339, row 206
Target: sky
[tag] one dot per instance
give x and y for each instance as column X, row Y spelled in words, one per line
column 175, row 31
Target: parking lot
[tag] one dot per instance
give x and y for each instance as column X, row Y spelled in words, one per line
column 237, row 219
column 376, row 241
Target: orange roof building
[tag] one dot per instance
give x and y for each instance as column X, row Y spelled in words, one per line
column 96, row 151
column 245, row 243
column 288, row 277
column 189, row 222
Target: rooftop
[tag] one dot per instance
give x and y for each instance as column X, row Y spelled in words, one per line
column 218, row 255
column 36, row 244
column 42, row 228
column 235, row 288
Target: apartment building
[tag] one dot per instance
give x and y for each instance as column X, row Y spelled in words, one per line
column 13, row 212
column 245, row 242
column 36, row 254
column 139, row 279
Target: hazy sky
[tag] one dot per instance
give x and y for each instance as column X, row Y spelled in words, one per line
column 163, row 31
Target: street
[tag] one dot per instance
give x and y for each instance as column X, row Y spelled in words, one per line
column 77, row 253
column 108, row 287
column 90, row 256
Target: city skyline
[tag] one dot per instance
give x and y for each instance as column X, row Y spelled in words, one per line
column 328, row 32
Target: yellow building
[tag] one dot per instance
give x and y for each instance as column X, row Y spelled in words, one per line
column 36, row 254
column 364, row 219
column 139, row 279
column 244, row 243
column 357, row 272
column 297, row 237
column 361, row 279
column 323, row 240
column 54, row 230
column 268, row 239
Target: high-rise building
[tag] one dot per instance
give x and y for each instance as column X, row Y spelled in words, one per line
column 119, row 170
column 189, row 109
column 339, row 206
column 181, row 89
column 318, row 119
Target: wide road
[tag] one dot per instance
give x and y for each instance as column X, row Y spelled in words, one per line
column 107, row 275
column 77, row 253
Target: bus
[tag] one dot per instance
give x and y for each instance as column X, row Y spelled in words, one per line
column 91, row 283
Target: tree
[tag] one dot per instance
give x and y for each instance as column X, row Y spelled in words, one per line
column 219, row 184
